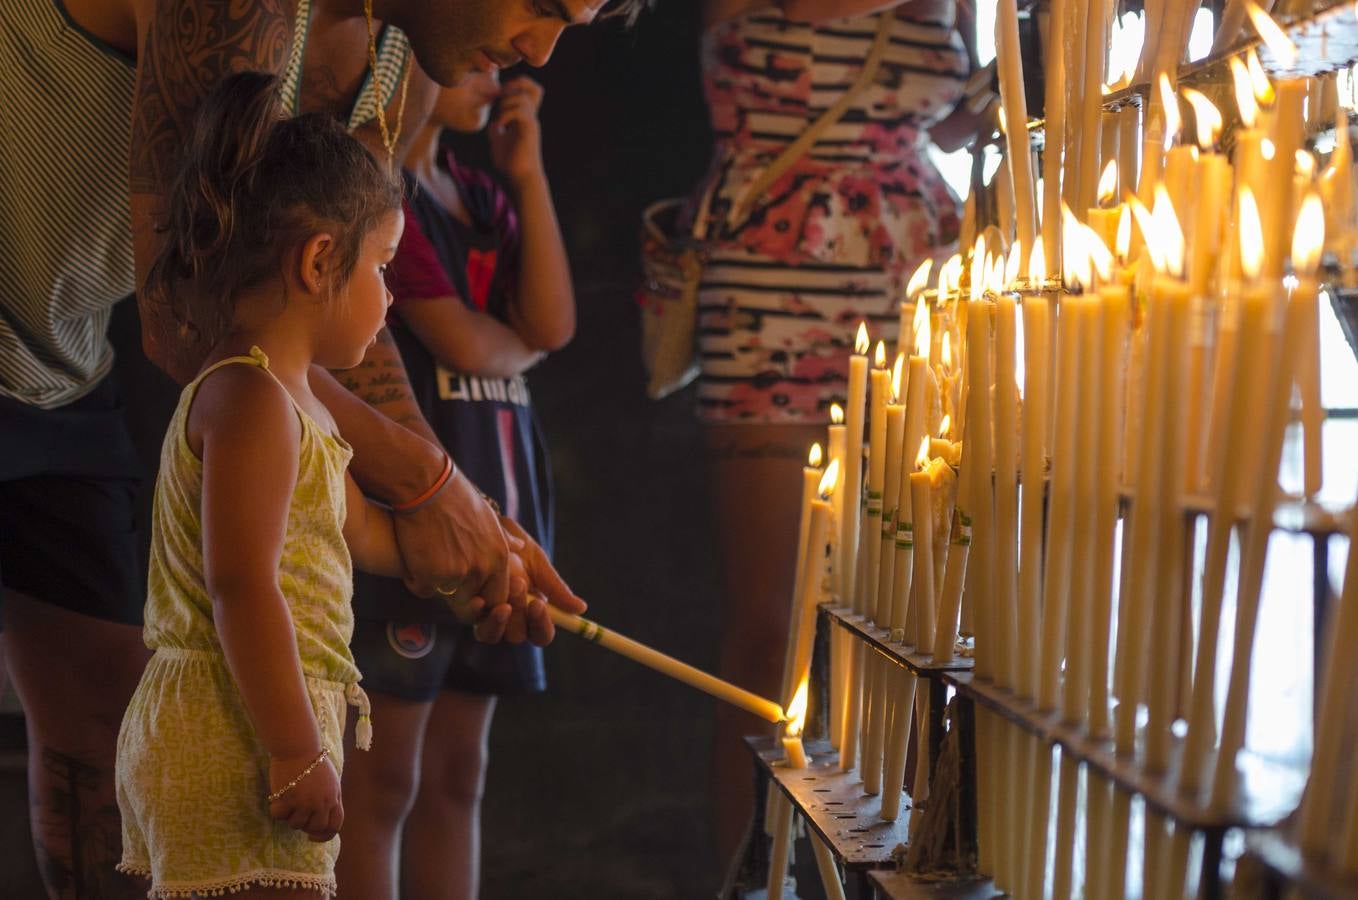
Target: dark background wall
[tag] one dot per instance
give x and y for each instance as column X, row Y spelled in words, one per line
column 600, row 788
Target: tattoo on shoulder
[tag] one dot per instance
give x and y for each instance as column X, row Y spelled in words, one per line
column 189, row 45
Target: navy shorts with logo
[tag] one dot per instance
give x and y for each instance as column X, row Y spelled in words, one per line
column 415, row 658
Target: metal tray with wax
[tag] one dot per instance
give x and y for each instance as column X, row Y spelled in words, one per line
column 879, row 639
column 834, row 804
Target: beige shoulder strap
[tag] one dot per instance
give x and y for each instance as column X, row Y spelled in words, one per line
column 741, row 209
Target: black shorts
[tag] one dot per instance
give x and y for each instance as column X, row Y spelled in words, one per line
column 68, row 493
column 415, row 660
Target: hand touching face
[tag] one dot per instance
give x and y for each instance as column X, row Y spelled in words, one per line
column 514, row 134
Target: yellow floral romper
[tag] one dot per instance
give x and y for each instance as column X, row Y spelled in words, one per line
column 192, row 776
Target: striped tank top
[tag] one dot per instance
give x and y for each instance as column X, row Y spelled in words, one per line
column 65, row 217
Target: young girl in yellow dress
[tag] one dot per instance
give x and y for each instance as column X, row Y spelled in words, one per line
column 278, row 233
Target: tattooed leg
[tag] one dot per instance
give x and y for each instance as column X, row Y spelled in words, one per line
column 76, row 829
column 74, row 675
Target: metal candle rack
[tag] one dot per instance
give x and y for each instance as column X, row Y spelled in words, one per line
column 839, row 812
column 834, row 805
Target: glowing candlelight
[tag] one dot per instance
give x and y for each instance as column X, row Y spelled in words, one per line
column 1170, row 237
column 910, row 306
column 1012, row 266
column 1244, row 93
column 1277, row 40
column 919, row 280
column 1309, row 237
column 1037, row 262
column 1108, row 183
column 978, row 268
column 1262, row 86
column 1206, row 117
column 781, row 827
column 1124, row 236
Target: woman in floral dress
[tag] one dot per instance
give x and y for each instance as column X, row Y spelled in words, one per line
column 831, row 242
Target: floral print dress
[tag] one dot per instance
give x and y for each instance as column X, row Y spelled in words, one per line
column 834, row 239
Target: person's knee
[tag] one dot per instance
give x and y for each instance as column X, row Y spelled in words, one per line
column 378, row 790
column 457, row 777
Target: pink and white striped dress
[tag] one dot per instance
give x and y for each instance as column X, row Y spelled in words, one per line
column 833, row 240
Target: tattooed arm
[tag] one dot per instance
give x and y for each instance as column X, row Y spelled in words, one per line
column 184, row 48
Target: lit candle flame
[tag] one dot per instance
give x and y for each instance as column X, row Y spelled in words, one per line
column 1170, row 101
column 978, row 268
column 1206, row 116
column 1144, row 222
column 1251, row 235
column 879, row 355
column 1276, row 39
column 1074, row 257
column 995, row 279
column 796, row 710
column 1263, row 88
column 922, row 457
column 919, row 280
column 924, row 336
column 860, row 341
column 896, row 371
column 1308, row 238
column 836, row 414
column 813, row 459
column 922, row 321
column 1244, row 93
column 946, row 352
column 1124, row 233
column 1099, row 255
column 1168, row 233
column 944, row 426
column 829, row 481
column 1037, row 261
column 1267, row 148
column 1013, row 264
column 1108, row 183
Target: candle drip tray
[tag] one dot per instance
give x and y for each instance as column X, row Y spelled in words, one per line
column 834, row 805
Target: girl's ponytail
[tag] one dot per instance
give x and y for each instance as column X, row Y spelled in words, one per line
column 250, row 182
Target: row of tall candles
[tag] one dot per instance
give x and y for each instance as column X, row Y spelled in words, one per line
column 1157, row 370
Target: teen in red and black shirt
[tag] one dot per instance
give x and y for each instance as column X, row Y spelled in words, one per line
column 482, row 291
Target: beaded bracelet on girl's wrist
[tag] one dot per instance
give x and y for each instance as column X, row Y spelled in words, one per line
column 322, row 757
